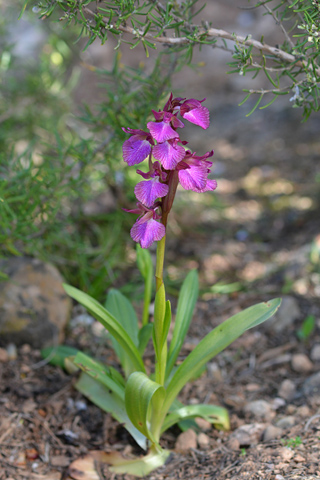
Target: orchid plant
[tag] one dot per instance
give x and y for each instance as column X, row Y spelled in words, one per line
column 145, row 402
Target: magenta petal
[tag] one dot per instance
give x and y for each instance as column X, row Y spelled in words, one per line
column 210, row 186
column 198, row 116
column 168, row 154
column 193, row 178
column 146, row 230
column 135, row 150
column 162, row 131
column 148, row 191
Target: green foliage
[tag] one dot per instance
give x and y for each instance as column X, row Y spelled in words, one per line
column 307, row 328
column 292, row 442
column 291, row 68
column 53, row 166
column 147, row 404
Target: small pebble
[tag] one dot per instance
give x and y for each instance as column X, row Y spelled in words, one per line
column 214, row 371
column 4, row 357
column 286, row 422
column 312, row 384
column 278, row 403
column 315, row 353
column 299, row 458
column 12, row 351
column 303, row 411
column 248, row 434
column 300, row 363
column 233, row 443
column 279, row 477
column 286, row 453
column 186, row 440
column 203, row 424
column 260, row 409
column 25, row 349
column 271, row 433
column 287, row 390
column 203, row 440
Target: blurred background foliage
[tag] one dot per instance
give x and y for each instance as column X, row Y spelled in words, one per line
column 63, row 183
column 57, row 167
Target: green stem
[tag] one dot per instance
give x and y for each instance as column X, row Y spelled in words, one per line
column 160, row 261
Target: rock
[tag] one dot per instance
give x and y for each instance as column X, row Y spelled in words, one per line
column 286, row 422
column 4, row 357
column 299, row 458
column 186, row 440
column 278, row 403
column 203, row 424
column 12, row 351
column 312, row 384
column 233, row 443
column 287, row 390
column 315, row 353
column 300, row 363
column 260, row 409
column 203, row 440
column 304, row 411
column 287, row 314
column 271, row 433
column 249, row 434
column 214, row 371
column 34, row 307
column 285, row 453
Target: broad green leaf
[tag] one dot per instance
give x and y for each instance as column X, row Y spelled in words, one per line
column 110, row 323
column 122, row 310
column 139, row 467
column 99, row 372
column 145, row 266
column 57, row 355
column 215, row 342
column 144, row 337
column 214, row 414
column 186, row 303
column 108, row 401
column 143, row 400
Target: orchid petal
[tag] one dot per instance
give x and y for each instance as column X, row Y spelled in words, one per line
column 168, row 154
column 148, row 191
column 210, row 186
column 193, row 178
column 162, row 131
column 198, row 116
column 135, row 150
column 146, row 230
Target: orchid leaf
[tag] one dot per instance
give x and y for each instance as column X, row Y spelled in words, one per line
column 144, row 336
column 214, row 414
column 186, row 303
column 143, row 400
column 215, row 342
column 145, row 266
column 110, row 323
column 108, row 401
column 100, row 373
column 139, row 467
column 57, row 355
column 120, row 307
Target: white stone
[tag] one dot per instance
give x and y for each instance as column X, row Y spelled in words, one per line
column 300, row 363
